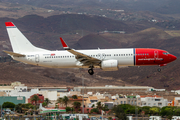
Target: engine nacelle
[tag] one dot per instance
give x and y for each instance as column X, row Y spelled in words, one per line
column 109, row 65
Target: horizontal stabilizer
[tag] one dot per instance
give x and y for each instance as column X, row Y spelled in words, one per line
column 14, row 54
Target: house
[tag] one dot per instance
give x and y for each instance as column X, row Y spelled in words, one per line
column 41, row 97
column 153, row 100
column 132, row 100
column 14, row 99
column 91, row 100
column 177, row 101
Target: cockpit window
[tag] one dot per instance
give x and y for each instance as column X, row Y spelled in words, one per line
column 165, row 53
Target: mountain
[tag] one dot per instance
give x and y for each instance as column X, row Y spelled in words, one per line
column 168, row 78
column 94, row 41
column 45, row 32
column 171, row 7
column 83, row 31
column 148, row 38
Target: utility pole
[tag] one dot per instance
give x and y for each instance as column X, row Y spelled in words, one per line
column 81, row 71
column 83, row 92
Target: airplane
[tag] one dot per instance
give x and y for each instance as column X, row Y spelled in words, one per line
column 106, row 59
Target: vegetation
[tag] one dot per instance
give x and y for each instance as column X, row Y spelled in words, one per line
column 65, row 100
column 47, row 101
column 8, row 105
column 74, row 97
column 95, row 110
column 59, row 101
column 122, row 110
column 76, row 105
column 35, row 98
column 99, row 106
column 22, row 108
column 119, row 112
column 68, row 109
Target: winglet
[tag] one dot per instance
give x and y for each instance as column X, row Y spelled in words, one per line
column 9, row 24
column 65, row 46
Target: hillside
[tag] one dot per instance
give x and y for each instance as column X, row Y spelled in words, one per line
column 130, row 10
column 40, row 76
column 14, row 10
column 168, row 78
column 148, row 38
column 45, row 32
column 82, row 32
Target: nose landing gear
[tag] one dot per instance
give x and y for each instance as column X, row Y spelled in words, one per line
column 159, row 69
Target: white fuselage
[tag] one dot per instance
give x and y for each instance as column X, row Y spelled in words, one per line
column 64, row 59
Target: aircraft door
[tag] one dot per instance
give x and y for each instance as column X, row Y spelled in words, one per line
column 37, row 58
column 156, row 57
column 155, row 54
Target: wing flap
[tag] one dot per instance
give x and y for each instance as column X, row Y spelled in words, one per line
column 83, row 58
column 14, row 54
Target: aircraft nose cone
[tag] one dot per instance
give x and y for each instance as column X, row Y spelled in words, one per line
column 173, row 57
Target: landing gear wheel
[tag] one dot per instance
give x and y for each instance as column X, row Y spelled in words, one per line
column 159, row 69
column 90, row 71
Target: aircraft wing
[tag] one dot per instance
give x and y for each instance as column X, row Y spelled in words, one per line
column 14, row 54
column 83, row 58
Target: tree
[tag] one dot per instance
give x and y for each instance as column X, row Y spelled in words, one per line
column 35, row 98
column 119, row 112
column 146, row 109
column 74, row 97
column 92, row 106
column 68, row 109
column 59, row 100
column 44, row 104
column 8, row 105
column 65, row 100
column 105, row 108
column 99, row 106
column 128, row 109
column 47, row 101
column 76, row 105
column 167, row 111
column 154, row 110
column 95, row 110
column 23, row 107
column 18, row 108
column 177, row 112
column 88, row 110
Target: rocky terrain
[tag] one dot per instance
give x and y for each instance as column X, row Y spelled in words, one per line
column 89, row 24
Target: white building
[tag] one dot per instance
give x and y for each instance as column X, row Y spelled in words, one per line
column 153, row 100
column 26, row 94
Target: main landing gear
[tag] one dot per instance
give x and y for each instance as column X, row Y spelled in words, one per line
column 90, row 71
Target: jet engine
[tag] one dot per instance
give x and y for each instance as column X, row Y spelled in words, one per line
column 109, row 65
